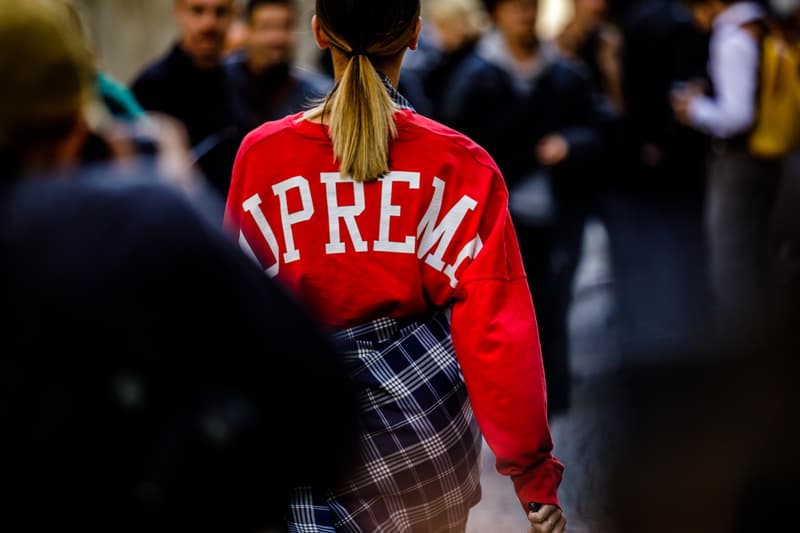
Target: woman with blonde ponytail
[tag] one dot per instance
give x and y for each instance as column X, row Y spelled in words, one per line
column 394, row 231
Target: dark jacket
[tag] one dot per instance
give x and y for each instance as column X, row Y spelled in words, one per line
column 426, row 75
column 485, row 103
column 270, row 95
column 662, row 47
column 201, row 100
column 152, row 377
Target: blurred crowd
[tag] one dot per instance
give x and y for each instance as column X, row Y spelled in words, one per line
column 673, row 122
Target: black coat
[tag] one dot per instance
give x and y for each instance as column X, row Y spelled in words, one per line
column 662, row 46
column 152, row 377
column 483, row 104
column 202, row 101
column 270, row 95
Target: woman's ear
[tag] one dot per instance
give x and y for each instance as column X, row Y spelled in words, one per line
column 319, row 35
column 412, row 44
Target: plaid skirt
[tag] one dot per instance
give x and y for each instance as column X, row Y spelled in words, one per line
column 419, row 450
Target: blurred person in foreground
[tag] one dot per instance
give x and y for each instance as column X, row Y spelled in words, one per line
column 189, row 83
column 395, row 231
column 129, row 402
column 266, row 84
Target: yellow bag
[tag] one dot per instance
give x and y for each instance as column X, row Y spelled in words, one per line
column 777, row 128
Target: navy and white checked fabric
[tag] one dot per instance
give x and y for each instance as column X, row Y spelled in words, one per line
column 418, row 468
column 401, row 101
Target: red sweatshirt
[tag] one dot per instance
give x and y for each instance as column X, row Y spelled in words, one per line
column 434, row 232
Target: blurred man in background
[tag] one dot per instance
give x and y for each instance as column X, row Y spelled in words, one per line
column 535, row 112
column 265, row 83
column 189, row 83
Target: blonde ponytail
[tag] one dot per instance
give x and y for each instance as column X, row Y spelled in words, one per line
column 360, row 111
column 362, row 121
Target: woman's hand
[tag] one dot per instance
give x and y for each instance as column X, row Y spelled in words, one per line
column 548, row 519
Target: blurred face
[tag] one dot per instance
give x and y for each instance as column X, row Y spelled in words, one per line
column 593, row 9
column 204, row 26
column 455, row 33
column 270, row 37
column 704, row 13
column 702, row 17
column 516, row 19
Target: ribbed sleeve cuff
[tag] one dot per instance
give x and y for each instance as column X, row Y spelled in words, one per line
column 539, row 484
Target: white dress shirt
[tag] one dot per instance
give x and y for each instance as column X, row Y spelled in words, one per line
column 733, row 68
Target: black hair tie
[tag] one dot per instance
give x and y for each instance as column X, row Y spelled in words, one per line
column 357, row 52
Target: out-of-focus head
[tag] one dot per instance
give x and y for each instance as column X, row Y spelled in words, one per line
column 47, row 82
column 705, row 11
column 270, row 38
column 204, row 26
column 516, row 19
column 378, row 28
column 456, row 22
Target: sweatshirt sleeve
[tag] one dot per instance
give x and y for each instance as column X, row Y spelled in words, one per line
column 497, row 343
